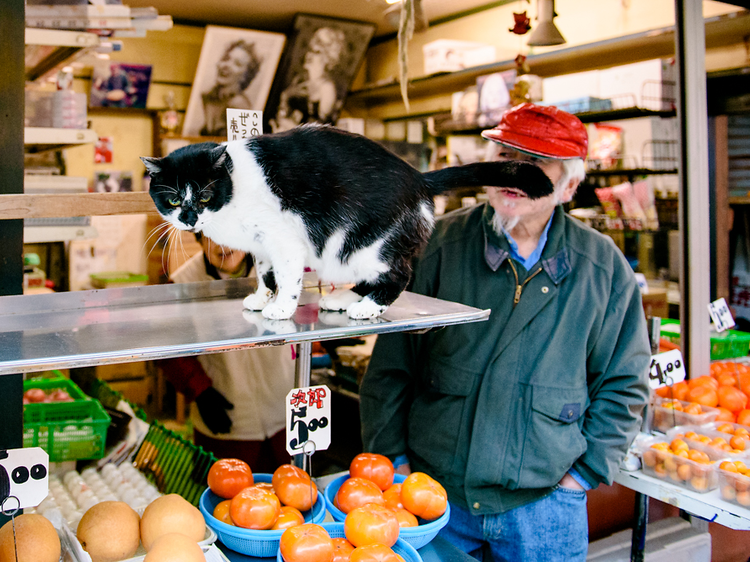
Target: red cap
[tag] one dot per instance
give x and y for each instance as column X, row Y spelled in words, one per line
column 541, row 130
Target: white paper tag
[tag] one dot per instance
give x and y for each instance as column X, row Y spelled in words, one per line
column 243, row 124
column 24, row 474
column 721, row 315
column 666, row 369
column 642, row 283
column 308, row 419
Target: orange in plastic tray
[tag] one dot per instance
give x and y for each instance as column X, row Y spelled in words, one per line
column 734, row 482
column 676, row 463
column 669, row 413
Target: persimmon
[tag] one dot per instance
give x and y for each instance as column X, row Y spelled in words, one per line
column 726, row 379
column 743, row 417
column 227, row 477
column 704, row 395
column 678, row 391
column 732, row 398
column 703, row 380
column 724, row 415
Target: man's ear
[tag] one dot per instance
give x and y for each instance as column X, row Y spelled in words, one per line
column 570, row 190
column 153, row 165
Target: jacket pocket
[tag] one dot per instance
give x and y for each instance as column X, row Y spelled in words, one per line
column 554, row 440
column 442, row 413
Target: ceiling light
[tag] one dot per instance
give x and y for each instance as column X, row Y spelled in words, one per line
column 392, row 1
column 545, row 31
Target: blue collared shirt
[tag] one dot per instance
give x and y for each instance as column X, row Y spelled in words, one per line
column 536, row 254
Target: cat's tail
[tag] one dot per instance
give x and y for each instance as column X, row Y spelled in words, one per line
column 525, row 176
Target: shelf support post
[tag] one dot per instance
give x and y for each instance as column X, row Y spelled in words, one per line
column 302, row 368
column 12, row 27
column 692, row 116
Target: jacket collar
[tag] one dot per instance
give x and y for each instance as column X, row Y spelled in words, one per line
column 555, row 257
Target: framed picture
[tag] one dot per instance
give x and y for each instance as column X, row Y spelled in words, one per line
column 120, row 85
column 320, row 61
column 235, row 70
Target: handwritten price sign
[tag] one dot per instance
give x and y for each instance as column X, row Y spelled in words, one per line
column 308, row 419
column 243, row 124
column 721, row 315
column 666, row 369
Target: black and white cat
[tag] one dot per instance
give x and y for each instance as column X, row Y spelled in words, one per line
column 319, row 197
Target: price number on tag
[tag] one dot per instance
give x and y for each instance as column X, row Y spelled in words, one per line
column 721, row 315
column 24, row 477
column 666, row 369
column 308, row 419
column 243, row 124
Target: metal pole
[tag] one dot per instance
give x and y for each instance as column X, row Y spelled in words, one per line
column 302, row 368
column 692, row 114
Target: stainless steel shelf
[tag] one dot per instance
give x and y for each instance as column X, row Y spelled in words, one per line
column 86, row 328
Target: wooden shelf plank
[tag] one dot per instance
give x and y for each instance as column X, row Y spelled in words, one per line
column 46, row 205
column 40, row 139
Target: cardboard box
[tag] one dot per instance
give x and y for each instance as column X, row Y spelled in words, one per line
column 649, row 85
column 570, row 87
column 445, row 55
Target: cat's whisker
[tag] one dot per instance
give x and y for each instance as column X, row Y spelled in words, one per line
column 160, row 226
column 164, row 233
column 168, row 250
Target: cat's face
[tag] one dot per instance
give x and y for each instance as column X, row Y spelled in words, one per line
column 191, row 184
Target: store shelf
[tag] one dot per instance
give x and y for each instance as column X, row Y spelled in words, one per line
column 48, row 48
column 86, row 328
column 630, row 172
column 40, row 139
column 657, row 43
column 739, row 200
column 42, row 234
column 707, row 506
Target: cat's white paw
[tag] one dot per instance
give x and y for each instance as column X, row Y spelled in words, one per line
column 279, row 311
column 266, row 326
column 257, row 301
column 365, row 308
column 338, row 299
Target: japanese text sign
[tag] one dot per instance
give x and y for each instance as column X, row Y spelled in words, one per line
column 666, row 369
column 308, row 419
column 243, row 124
column 721, row 315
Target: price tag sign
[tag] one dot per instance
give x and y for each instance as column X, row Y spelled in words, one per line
column 666, row 368
column 308, row 419
column 24, row 477
column 243, row 124
column 721, row 315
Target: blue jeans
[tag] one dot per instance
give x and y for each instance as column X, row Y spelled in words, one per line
column 551, row 529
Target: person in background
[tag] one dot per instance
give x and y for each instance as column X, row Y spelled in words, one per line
column 518, row 416
column 237, row 397
column 312, row 96
column 235, row 71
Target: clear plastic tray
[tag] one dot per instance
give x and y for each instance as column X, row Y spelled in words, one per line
column 714, row 453
column 665, row 419
column 734, row 487
column 677, row 470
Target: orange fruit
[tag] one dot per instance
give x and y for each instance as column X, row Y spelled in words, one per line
column 738, row 443
column 698, row 456
column 729, row 466
column 693, row 409
column 725, row 428
column 731, row 398
column 678, row 444
column 703, row 395
column 727, row 379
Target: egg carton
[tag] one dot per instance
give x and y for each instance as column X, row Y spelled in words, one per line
column 73, row 494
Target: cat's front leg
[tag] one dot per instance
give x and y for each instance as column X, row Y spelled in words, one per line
column 266, row 286
column 378, row 296
column 288, row 270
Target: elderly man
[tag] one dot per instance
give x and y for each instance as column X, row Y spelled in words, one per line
column 517, row 416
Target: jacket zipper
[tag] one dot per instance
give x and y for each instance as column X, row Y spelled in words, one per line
column 520, row 286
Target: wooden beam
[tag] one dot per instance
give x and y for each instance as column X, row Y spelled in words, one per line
column 46, row 205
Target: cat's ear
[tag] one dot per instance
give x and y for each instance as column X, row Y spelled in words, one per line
column 219, row 155
column 153, row 165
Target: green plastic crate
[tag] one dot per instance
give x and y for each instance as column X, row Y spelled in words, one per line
column 75, row 430
column 724, row 345
column 173, row 464
column 48, row 384
column 110, row 397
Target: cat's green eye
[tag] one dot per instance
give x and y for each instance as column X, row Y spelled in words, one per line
column 205, row 199
column 174, row 202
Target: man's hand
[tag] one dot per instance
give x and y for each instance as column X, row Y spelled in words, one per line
column 213, row 409
column 569, row 482
column 404, row 469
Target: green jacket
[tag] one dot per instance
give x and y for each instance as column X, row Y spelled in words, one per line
column 499, row 411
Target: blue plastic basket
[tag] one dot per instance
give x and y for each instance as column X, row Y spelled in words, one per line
column 336, row 531
column 415, row 536
column 251, row 542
